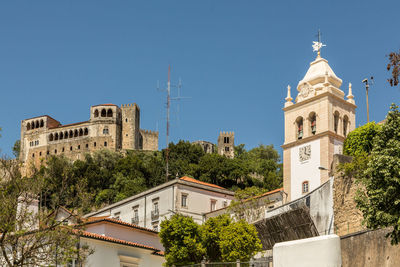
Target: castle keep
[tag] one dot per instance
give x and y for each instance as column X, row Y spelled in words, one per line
column 109, row 127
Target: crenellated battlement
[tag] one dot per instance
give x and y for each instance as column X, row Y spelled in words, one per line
column 130, row 105
column 227, row 133
column 149, row 132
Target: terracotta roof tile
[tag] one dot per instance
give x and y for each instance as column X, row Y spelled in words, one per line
column 120, row 241
column 192, row 180
column 92, row 220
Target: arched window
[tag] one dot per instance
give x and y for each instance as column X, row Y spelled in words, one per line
column 80, row 132
column 37, row 124
column 335, row 121
column 96, row 113
column 105, row 130
column 86, row 132
column 66, row 134
column 51, row 137
column 28, row 126
column 299, row 127
column 56, row 136
column 345, row 124
column 103, row 112
column 305, row 187
column 71, row 134
column 109, row 113
column 61, row 136
column 32, row 125
column 76, row 133
column 41, row 123
column 313, row 122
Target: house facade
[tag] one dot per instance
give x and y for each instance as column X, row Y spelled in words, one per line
column 186, row 196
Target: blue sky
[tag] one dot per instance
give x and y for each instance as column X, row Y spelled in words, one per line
column 235, row 59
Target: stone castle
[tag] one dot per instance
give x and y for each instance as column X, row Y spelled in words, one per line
column 109, row 127
column 225, row 145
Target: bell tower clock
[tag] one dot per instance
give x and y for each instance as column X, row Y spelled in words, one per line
column 316, row 125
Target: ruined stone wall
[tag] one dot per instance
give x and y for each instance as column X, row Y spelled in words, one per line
column 348, row 219
column 149, row 140
column 369, row 249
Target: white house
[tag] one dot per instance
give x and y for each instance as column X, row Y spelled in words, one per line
column 116, row 243
column 186, row 195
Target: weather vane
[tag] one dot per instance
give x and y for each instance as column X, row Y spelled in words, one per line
column 318, row 45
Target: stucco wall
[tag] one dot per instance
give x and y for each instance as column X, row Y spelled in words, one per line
column 107, row 254
column 369, row 249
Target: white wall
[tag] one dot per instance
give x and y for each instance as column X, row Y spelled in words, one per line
column 304, row 170
column 107, row 254
column 317, row 251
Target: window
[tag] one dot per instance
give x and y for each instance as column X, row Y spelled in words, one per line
column 103, row 113
column 126, row 120
column 213, row 205
column 109, row 113
column 70, row 148
column 87, row 145
column 299, row 130
column 79, row 147
column 227, row 148
column 305, row 187
column 55, row 151
column 63, row 149
column 105, row 130
column 40, row 153
column 105, row 143
column 335, row 121
column 226, row 140
column 33, row 155
column 94, row 144
column 48, row 152
column 313, row 123
column 96, row 113
column 135, row 218
column 117, row 215
column 225, row 204
column 155, row 227
column 184, row 200
column 345, row 123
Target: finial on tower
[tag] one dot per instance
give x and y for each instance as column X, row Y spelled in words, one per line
column 318, row 45
column 350, row 97
column 288, row 98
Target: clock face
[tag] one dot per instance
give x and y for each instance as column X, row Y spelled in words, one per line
column 305, row 153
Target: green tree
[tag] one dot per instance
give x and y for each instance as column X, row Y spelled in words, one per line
column 379, row 201
column 16, row 148
column 239, row 241
column 360, row 140
column 211, row 236
column 180, row 236
column 394, row 65
column 29, row 236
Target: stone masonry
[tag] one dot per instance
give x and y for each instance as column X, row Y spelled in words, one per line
column 109, row 127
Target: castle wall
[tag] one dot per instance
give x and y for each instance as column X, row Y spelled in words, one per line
column 109, row 127
column 149, row 140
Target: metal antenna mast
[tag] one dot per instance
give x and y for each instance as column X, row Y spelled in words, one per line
column 168, row 89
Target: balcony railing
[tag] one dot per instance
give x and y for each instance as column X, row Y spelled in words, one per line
column 135, row 220
column 155, row 215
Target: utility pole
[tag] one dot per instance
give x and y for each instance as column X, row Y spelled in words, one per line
column 366, row 90
column 168, row 90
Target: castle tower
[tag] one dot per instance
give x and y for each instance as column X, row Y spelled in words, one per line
column 130, row 126
column 226, row 144
column 315, row 128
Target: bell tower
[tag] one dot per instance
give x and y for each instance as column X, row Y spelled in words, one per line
column 316, row 125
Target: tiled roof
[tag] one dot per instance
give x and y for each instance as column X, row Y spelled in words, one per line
column 110, row 220
column 270, row 192
column 192, row 180
column 120, row 241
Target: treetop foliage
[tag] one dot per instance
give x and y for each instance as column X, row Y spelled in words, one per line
column 218, row 239
column 360, row 140
column 394, row 65
column 379, row 173
column 105, row 177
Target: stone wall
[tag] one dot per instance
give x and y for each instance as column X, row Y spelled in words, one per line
column 149, row 140
column 369, row 249
column 348, row 219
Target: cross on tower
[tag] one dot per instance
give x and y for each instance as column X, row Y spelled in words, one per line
column 317, row 45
